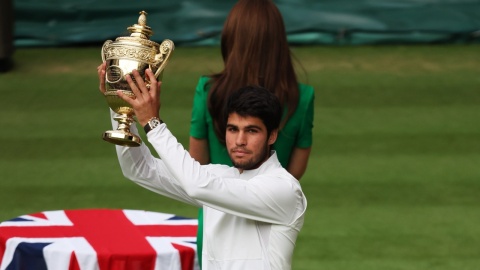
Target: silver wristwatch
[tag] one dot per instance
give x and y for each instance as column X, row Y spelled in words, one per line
column 152, row 123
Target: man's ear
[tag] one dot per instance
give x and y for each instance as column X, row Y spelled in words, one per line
column 273, row 137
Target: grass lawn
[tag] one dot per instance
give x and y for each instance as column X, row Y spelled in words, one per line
column 394, row 176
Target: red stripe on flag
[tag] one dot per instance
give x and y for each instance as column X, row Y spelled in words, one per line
column 106, row 231
column 187, row 256
column 169, row 230
column 39, row 215
column 73, row 262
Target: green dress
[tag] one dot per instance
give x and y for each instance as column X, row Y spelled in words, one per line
column 297, row 132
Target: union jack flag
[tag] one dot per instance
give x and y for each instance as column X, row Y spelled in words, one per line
column 98, row 239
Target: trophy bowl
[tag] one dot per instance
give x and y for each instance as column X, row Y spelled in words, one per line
column 122, row 56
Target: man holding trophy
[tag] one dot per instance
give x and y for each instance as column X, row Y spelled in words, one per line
column 253, row 211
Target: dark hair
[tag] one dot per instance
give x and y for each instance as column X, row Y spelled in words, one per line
column 256, row 101
column 255, row 51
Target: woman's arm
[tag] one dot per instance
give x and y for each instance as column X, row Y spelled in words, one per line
column 298, row 162
column 198, row 149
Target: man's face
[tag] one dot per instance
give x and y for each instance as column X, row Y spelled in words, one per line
column 247, row 142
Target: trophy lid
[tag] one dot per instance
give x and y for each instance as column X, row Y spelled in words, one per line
column 141, row 29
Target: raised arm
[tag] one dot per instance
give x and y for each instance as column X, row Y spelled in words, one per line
column 140, row 166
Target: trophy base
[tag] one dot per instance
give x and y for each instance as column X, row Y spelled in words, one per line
column 122, row 138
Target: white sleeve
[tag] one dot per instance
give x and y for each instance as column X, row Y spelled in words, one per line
column 140, row 166
column 273, row 198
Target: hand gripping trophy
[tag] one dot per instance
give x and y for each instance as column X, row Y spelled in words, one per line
column 122, row 56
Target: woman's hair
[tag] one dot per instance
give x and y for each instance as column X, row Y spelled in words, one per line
column 255, row 51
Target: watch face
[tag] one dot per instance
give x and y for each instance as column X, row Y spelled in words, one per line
column 154, row 123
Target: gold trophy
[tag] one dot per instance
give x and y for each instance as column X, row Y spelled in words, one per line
column 122, row 56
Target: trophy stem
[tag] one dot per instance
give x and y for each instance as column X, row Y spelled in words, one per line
column 122, row 135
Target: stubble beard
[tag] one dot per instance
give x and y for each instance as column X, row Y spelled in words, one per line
column 254, row 162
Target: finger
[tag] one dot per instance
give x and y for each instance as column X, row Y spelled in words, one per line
column 159, row 89
column 153, row 82
column 140, row 82
column 151, row 77
column 100, row 66
column 101, row 77
column 133, row 86
column 129, row 99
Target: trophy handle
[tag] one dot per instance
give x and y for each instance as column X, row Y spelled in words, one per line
column 166, row 50
column 104, row 50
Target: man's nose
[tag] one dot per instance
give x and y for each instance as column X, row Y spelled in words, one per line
column 241, row 138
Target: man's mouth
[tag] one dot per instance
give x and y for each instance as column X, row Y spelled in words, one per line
column 239, row 151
